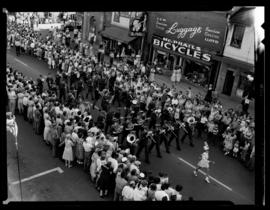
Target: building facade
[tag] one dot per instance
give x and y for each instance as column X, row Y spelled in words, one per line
column 193, row 41
column 238, row 57
column 112, row 31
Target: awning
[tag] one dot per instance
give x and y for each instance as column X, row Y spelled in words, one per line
column 118, row 34
column 235, row 62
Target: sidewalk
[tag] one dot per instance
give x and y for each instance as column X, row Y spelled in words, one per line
column 226, row 101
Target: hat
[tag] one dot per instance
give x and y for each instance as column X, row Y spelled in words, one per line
column 124, row 159
column 137, row 162
column 206, row 147
column 142, row 175
column 127, row 151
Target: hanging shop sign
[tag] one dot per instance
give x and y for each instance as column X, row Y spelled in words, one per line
column 138, row 24
column 181, row 48
column 205, row 29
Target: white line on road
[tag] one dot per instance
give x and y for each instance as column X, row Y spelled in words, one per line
column 192, row 166
column 40, row 174
column 21, row 62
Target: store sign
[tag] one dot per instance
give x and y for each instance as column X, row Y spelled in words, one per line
column 206, row 29
column 182, row 48
column 138, row 25
column 121, row 21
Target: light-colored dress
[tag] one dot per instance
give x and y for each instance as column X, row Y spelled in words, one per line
column 68, row 153
column 93, row 166
column 47, row 130
column 173, row 77
column 178, row 75
column 152, row 75
column 79, row 149
column 204, row 162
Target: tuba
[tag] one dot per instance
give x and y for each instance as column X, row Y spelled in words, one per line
column 131, row 138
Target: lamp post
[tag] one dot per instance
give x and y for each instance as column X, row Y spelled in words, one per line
column 13, row 128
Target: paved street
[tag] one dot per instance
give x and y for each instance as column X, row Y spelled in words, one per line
column 231, row 181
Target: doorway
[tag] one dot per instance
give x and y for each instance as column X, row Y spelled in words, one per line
column 228, row 84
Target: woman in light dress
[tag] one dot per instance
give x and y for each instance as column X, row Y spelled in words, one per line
column 20, row 101
column 152, row 74
column 93, row 166
column 30, row 110
column 173, row 77
column 178, row 74
column 68, row 153
column 204, row 162
column 228, row 142
column 79, row 150
column 46, row 132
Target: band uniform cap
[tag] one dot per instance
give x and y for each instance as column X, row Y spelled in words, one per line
column 137, row 162
column 142, row 175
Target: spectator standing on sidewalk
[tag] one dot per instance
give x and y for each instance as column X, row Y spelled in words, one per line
column 208, row 96
column 111, row 58
column 17, row 46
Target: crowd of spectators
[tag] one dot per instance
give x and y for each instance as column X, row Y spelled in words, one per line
column 59, row 110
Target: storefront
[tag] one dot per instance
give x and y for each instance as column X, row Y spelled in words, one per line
column 192, row 41
column 117, row 39
column 235, row 78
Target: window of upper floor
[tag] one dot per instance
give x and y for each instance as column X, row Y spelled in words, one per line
column 237, row 36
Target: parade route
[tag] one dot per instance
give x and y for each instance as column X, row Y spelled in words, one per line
column 74, row 184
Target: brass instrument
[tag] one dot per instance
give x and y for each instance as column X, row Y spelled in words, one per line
column 182, row 125
column 150, row 135
column 131, row 138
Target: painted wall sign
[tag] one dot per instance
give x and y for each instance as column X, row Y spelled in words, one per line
column 182, row 48
column 205, row 29
column 138, row 25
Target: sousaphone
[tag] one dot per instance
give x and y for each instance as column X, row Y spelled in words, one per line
column 131, row 138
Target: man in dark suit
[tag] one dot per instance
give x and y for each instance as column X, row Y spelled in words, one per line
column 187, row 132
column 175, row 134
column 143, row 144
column 155, row 141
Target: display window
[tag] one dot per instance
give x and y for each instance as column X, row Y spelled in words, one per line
column 197, row 73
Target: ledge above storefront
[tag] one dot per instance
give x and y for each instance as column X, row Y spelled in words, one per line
column 118, row 34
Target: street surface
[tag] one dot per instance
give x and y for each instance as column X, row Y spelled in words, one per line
column 230, row 180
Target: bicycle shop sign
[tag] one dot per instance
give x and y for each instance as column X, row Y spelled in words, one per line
column 181, row 48
column 193, row 28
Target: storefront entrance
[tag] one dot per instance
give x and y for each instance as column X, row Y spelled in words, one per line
column 228, row 84
column 197, row 73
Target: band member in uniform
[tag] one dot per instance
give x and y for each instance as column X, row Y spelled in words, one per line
column 138, row 123
column 153, row 119
column 117, row 94
column 204, row 162
column 128, row 126
column 188, row 131
column 108, row 121
column 155, row 141
column 143, row 144
column 116, row 130
column 163, row 136
column 132, row 142
column 175, row 134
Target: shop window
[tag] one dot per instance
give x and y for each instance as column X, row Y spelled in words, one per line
column 197, row 73
column 160, row 59
column 237, row 37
